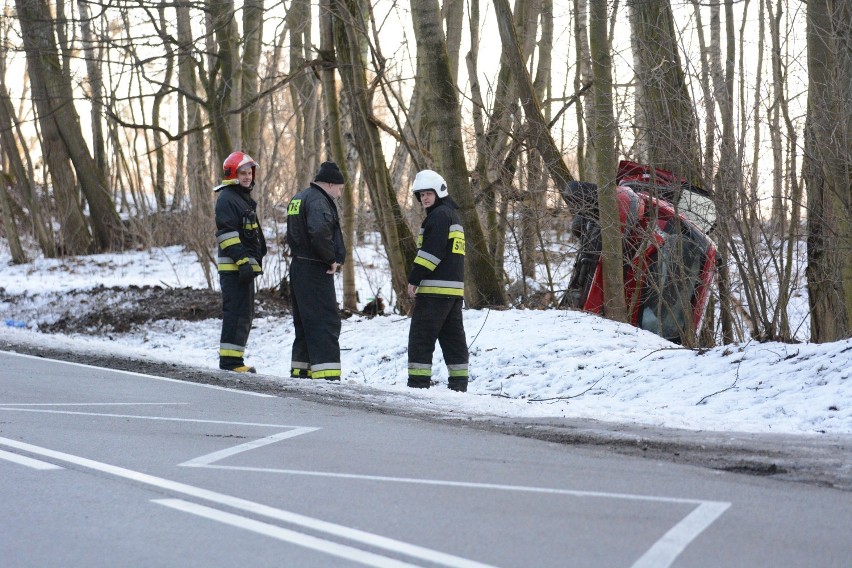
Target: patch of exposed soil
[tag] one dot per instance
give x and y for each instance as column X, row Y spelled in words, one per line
column 119, row 310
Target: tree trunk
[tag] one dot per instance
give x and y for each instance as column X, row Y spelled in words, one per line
column 603, row 133
column 96, row 86
column 253, row 19
column 534, row 206
column 225, row 78
column 197, row 175
column 23, row 175
column 58, row 108
column 12, row 237
column 303, row 92
column 726, row 180
column 73, row 235
column 538, row 129
column 396, row 235
column 338, row 153
column 585, row 108
column 828, row 169
column 669, row 135
column 162, row 92
column 443, row 115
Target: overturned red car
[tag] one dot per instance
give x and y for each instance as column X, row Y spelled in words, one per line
column 669, row 258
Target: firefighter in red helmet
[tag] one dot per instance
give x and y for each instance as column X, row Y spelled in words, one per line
column 241, row 248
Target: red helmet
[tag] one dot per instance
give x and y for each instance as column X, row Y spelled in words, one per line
column 234, row 163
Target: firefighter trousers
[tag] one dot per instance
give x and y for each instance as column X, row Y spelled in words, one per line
column 316, row 348
column 437, row 319
column 237, row 315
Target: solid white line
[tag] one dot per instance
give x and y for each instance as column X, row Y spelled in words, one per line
column 142, row 375
column 664, row 552
column 340, row 531
column 470, row 485
column 211, row 458
column 139, row 417
column 293, row 537
column 29, row 462
column 93, row 403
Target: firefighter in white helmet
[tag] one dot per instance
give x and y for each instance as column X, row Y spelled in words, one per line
column 436, row 281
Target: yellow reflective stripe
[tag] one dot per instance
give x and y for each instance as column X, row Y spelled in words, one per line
column 423, row 262
column 228, row 242
column 227, row 268
column 458, row 372
column 242, row 261
column 420, row 372
column 325, row 374
column 251, row 226
column 230, row 353
column 457, row 235
column 439, row 290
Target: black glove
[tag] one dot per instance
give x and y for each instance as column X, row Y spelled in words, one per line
column 246, row 273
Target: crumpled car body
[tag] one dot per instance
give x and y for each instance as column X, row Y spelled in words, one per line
column 669, row 257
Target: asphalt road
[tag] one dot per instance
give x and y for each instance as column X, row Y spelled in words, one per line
column 102, row 468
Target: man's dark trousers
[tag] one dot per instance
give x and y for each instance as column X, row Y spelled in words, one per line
column 437, row 319
column 237, row 315
column 316, row 320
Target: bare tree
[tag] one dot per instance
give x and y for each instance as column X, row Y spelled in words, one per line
column 603, row 133
column 335, row 139
column 828, row 169
column 667, row 136
column 443, row 116
column 349, row 28
column 303, row 91
column 57, row 114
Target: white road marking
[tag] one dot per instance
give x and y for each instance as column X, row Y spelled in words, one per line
column 339, row 531
column 205, row 461
column 29, row 462
column 142, row 375
column 25, row 404
column 202, row 461
column 293, row 537
column 140, row 417
column 664, row 552
column 472, row 485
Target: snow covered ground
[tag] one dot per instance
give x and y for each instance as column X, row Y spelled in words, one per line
column 524, row 363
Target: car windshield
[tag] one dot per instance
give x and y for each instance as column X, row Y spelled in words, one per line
column 698, row 208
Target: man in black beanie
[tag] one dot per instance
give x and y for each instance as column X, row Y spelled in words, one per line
column 316, row 245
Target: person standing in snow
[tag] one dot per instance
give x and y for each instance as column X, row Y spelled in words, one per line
column 241, row 248
column 436, row 281
column 316, row 245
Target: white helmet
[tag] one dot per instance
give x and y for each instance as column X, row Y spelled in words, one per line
column 431, row 181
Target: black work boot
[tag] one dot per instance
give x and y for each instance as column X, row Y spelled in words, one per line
column 419, row 382
column 457, row 384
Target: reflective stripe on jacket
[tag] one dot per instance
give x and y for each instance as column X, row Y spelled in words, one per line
column 439, row 265
column 239, row 237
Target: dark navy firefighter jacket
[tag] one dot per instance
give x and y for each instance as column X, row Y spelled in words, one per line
column 238, row 231
column 439, row 265
column 313, row 227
